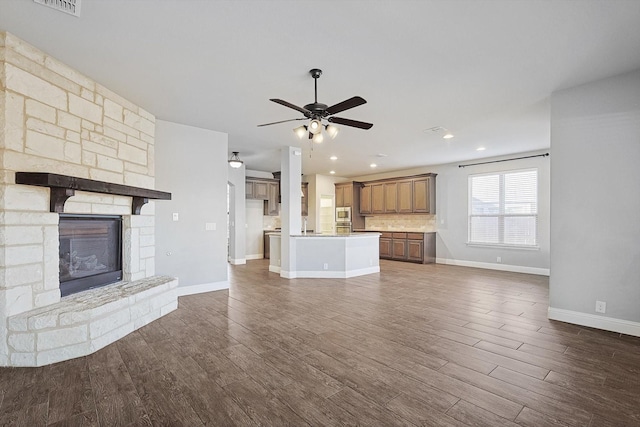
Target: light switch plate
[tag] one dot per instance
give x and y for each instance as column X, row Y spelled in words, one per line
column 176, row 216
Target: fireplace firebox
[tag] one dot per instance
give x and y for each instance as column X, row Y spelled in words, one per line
column 90, row 251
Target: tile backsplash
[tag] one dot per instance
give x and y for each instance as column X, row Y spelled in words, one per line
column 418, row 223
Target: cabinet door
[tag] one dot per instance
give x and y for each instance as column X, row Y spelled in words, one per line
column 377, row 198
column 261, row 190
column 365, row 199
column 415, row 250
column 340, row 196
column 305, row 199
column 348, row 196
column 248, row 190
column 399, row 249
column 271, row 205
column 385, row 248
column 421, row 195
column 391, row 197
column 405, row 196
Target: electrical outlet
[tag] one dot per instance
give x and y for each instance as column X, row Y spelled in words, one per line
column 176, row 216
column 601, row 307
column 325, row 266
column 499, row 260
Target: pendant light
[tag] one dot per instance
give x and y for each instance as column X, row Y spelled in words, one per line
column 235, row 161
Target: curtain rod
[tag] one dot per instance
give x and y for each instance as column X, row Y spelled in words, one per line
column 504, row 160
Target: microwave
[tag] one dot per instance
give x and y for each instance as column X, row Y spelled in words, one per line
column 343, row 214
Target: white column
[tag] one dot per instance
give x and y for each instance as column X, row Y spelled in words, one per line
column 291, row 205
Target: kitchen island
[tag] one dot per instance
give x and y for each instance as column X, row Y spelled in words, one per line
column 328, row 255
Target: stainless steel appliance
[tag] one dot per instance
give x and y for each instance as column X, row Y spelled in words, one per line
column 343, row 214
column 343, row 228
column 343, row 220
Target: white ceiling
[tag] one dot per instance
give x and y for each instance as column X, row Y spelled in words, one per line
column 482, row 69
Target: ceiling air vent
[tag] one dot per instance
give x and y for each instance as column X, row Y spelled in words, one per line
column 72, row 7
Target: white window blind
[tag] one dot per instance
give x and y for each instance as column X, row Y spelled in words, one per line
column 503, row 208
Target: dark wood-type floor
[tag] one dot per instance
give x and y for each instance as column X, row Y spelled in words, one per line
column 427, row 345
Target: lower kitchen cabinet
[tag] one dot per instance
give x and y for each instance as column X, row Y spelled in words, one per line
column 411, row 247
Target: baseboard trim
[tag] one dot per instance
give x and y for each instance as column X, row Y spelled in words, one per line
column 492, row 266
column 595, row 321
column 239, row 261
column 323, row 274
column 274, row 269
column 202, row 288
column 254, row 256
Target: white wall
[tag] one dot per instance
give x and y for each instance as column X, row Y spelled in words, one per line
column 191, row 163
column 595, row 165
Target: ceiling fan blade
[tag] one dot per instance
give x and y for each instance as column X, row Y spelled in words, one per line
column 345, row 105
column 349, row 122
column 290, row 105
column 282, row 121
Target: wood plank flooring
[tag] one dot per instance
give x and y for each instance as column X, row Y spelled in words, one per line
column 416, row 345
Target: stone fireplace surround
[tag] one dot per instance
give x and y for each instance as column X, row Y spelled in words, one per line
column 53, row 119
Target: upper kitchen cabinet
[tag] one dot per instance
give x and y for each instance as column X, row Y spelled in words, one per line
column 406, row 195
column 271, row 206
column 424, row 195
column 344, row 195
column 377, row 198
column 365, row 200
column 256, row 188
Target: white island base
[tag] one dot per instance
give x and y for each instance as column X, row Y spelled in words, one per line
column 328, row 256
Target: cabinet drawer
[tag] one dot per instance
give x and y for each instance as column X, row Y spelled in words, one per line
column 399, row 235
column 415, row 236
column 386, row 235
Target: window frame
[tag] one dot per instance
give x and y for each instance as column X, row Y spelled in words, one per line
column 501, row 207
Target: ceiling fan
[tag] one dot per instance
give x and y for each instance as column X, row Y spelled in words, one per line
column 317, row 111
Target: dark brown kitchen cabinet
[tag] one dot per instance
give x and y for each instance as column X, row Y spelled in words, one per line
column 385, row 245
column 390, row 197
column 405, row 196
column 344, row 194
column 271, row 205
column 365, row 199
column 377, row 198
column 399, row 246
column 424, row 195
column 412, row 247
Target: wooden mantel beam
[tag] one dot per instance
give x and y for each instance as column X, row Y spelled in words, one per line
column 64, row 186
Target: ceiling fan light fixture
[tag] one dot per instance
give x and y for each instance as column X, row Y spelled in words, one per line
column 318, row 138
column 301, row 131
column 332, row 131
column 315, row 126
column 235, row 161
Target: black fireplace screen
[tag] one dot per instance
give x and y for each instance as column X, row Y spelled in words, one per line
column 90, row 252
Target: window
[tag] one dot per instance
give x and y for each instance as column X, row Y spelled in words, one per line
column 503, row 208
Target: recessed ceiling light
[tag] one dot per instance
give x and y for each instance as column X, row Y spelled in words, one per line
column 448, row 135
column 381, row 155
column 332, row 172
column 373, row 165
column 480, row 149
column 333, row 158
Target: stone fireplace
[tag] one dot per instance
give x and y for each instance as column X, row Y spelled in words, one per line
column 55, row 120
